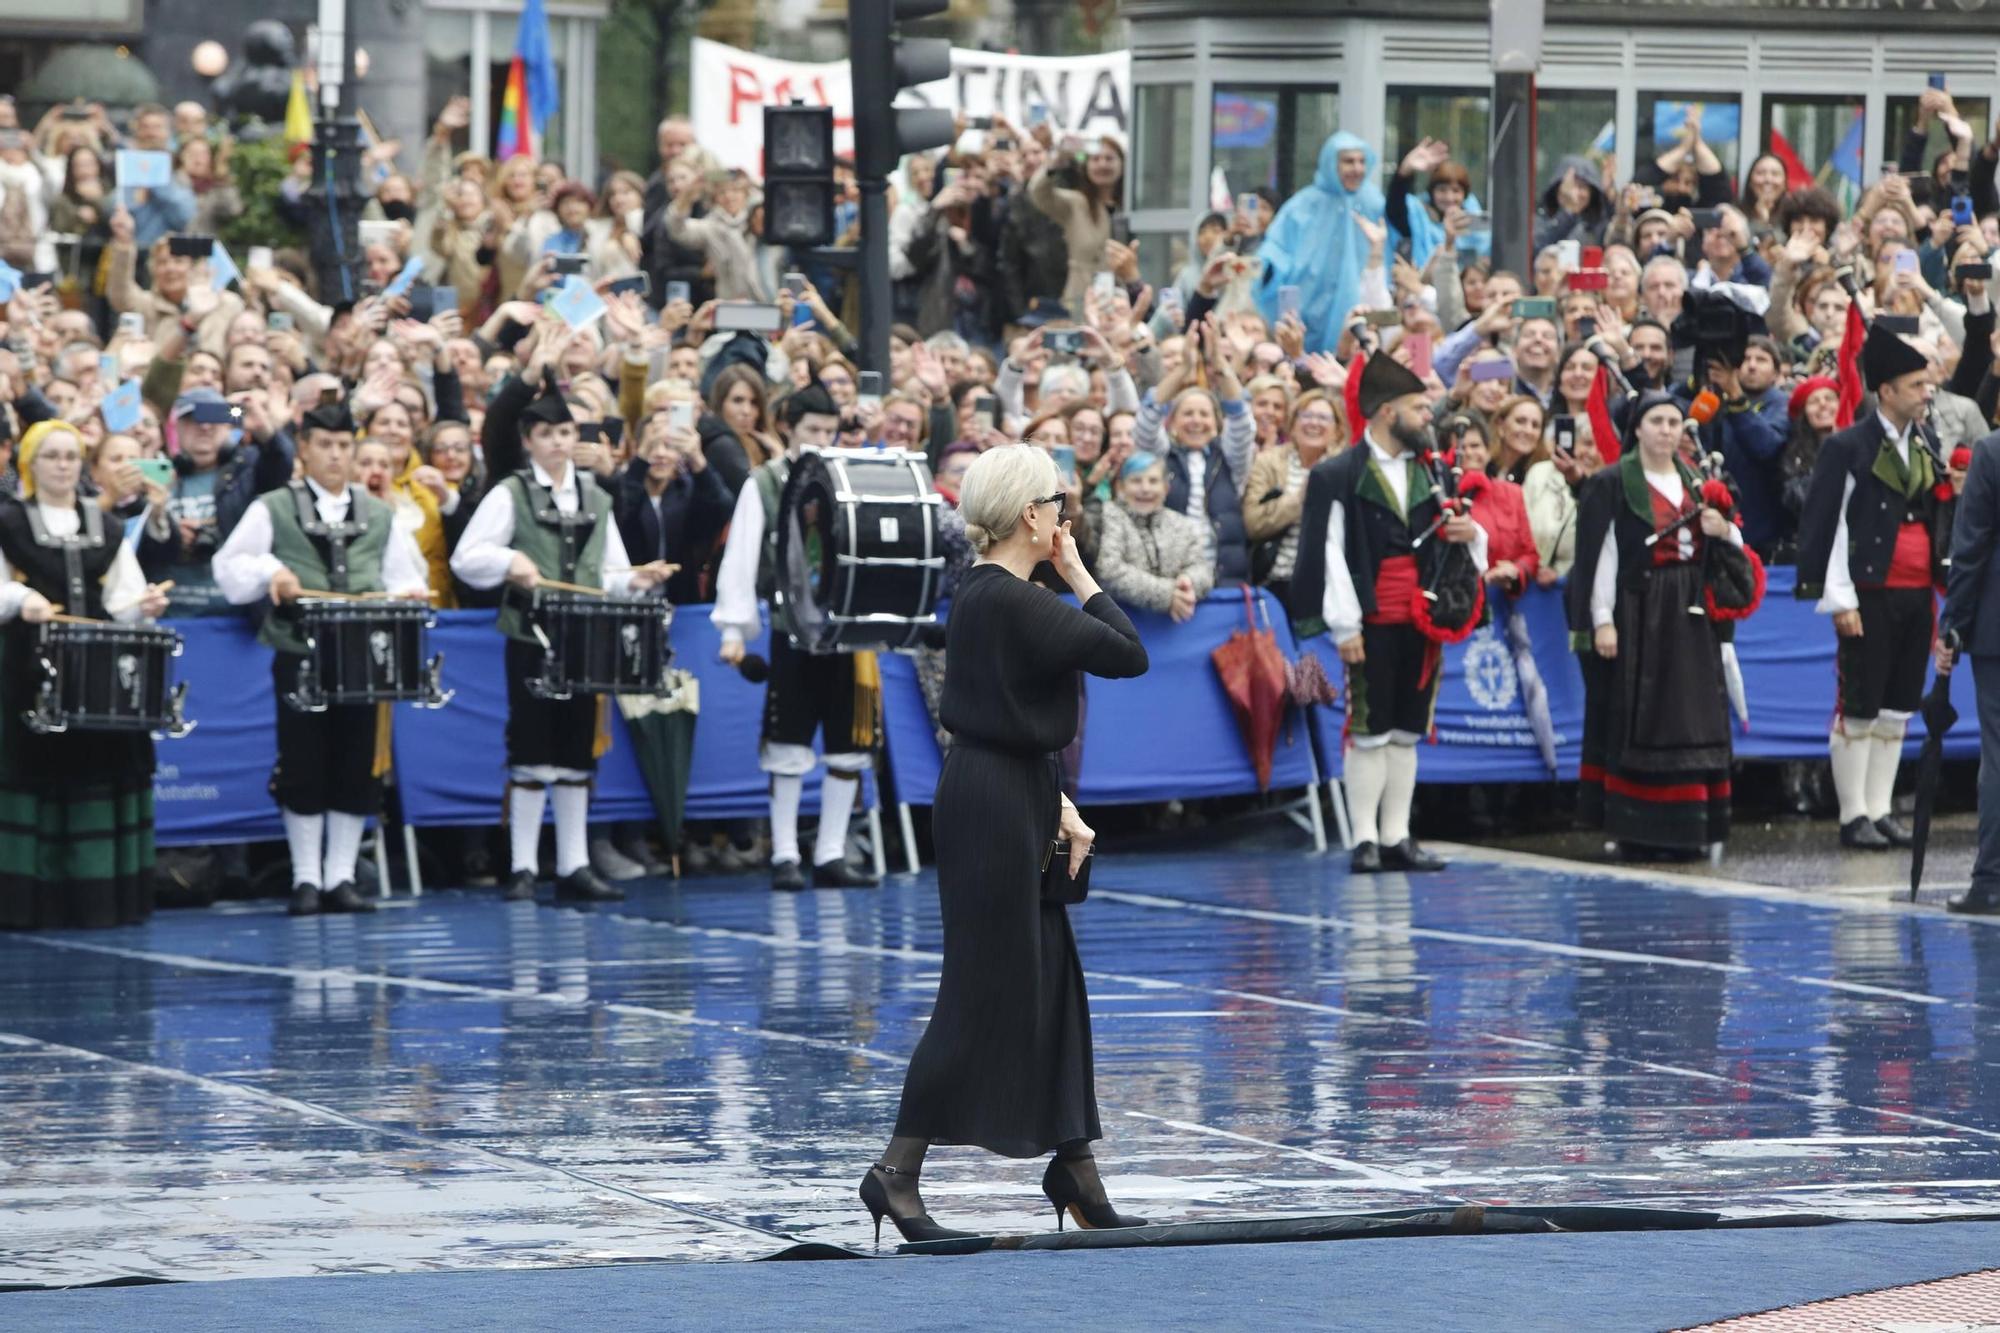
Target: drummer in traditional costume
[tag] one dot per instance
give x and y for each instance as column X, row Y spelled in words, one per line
column 548, row 521
column 321, row 534
column 836, row 695
column 1868, row 550
column 1658, row 566
column 76, row 808
column 1361, row 576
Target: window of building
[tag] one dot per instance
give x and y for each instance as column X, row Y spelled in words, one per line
column 447, row 59
column 1573, row 123
column 1818, row 129
column 1662, row 114
column 1271, row 137
column 1458, row 116
column 1165, row 133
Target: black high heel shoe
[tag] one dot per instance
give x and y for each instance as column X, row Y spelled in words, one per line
column 914, row 1229
column 1061, row 1187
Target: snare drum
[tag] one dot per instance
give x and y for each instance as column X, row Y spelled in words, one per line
column 599, row 645
column 860, row 563
column 366, row 652
column 107, row 677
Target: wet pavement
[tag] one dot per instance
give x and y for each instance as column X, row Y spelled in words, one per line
column 704, row 1071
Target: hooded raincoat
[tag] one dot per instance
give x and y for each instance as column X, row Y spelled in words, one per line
column 1313, row 245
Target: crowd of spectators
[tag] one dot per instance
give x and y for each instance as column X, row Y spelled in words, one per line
column 1185, row 414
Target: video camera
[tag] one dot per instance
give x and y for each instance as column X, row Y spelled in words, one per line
column 1716, row 327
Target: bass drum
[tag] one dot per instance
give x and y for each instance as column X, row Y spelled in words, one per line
column 860, row 563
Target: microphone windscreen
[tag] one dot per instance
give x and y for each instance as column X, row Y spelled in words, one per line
column 754, row 669
column 1704, row 407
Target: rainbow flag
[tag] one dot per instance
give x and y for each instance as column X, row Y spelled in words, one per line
column 531, row 92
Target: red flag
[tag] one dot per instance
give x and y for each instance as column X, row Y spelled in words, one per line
column 1796, row 175
column 1849, row 377
column 1350, row 395
column 1598, row 408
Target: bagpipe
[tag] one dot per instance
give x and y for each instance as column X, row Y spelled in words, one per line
column 1452, row 601
column 1732, row 576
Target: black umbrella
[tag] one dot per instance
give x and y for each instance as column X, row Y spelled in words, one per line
column 1939, row 716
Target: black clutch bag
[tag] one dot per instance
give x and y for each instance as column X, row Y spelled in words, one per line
column 1057, row 886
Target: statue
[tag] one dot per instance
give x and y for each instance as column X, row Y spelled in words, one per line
column 259, row 84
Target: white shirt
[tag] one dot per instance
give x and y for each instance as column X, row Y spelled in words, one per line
column 245, row 566
column 486, row 548
column 735, row 613
column 1604, row 584
column 1837, row 592
column 124, row 586
column 1340, row 605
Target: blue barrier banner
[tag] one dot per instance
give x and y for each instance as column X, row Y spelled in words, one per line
column 213, row 785
column 1169, row 734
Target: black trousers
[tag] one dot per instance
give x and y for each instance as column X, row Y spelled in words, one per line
column 560, row 733
column 326, row 761
column 810, row 693
column 1884, row 667
column 1382, row 693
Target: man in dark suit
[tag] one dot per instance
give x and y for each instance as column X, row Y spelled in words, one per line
column 1971, row 625
column 1868, row 553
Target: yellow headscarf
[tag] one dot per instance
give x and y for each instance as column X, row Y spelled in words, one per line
column 31, row 443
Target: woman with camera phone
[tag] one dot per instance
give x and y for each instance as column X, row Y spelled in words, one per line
column 1005, row 1062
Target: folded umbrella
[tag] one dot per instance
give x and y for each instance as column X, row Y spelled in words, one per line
column 1534, row 694
column 662, row 731
column 1939, row 716
column 1253, row 672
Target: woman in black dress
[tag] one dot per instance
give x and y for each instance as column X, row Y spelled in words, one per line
column 1005, row 1063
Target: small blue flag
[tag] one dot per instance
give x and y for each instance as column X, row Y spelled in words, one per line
column 139, row 169
column 222, row 269
column 120, row 408
column 577, row 304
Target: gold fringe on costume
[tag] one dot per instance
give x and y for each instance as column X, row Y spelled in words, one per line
column 867, row 699
column 383, row 752
column 600, row 744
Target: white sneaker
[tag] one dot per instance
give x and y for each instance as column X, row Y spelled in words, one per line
column 609, row 862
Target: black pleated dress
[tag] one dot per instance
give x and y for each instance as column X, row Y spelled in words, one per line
column 1005, row 1063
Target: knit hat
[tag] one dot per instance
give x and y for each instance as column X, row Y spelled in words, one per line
column 1643, row 404
column 1807, row 389
column 31, row 443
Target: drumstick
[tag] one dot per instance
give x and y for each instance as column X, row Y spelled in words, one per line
column 559, row 586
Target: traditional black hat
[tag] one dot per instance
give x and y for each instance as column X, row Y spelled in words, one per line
column 1885, row 356
column 813, row 400
column 549, row 407
column 330, row 413
column 1637, row 408
column 1384, row 380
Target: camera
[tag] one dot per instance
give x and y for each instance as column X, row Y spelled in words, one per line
column 1715, row 327
column 1064, row 342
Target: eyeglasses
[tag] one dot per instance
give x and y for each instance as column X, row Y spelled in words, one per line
column 1060, row 500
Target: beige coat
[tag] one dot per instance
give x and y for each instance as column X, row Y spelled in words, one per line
column 126, row 295
column 1083, row 231
column 1551, row 516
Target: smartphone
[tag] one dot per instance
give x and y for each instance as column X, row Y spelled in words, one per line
column 1588, row 281
column 422, row 305
column 750, row 316
column 1249, row 204
column 1037, row 115
column 986, row 405
column 1569, row 254
column 677, row 291
column 1169, row 298
column 444, row 300
column 1906, row 261
column 979, row 122
column 278, row 321
column 1121, row 230
column 1586, row 329
column 260, row 257
column 566, row 265
column 631, row 282
column 191, row 247
column 614, row 430
column 1063, row 342
column 1476, row 222
column 1102, row 285
column 795, row 283
column 1535, row 307
column 1065, row 461
column 1382, row 319
column 589, row 432
column 1420, row 354
column 158, row 471
column 1961, row 211
column 1973, row 272
column 215, row 414
column 1290, row 300
column 868, row 388
column 1483, row 372
column 1936, row 81
column 1593, row 256
column 1565, row 433
column 1705, row 218
column 132, row 324
column 680, row 415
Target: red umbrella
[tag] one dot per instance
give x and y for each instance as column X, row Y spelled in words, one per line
column 1253, row 672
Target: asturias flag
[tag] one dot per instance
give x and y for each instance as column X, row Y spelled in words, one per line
column 531, row 87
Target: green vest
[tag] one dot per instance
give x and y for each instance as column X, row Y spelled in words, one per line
column 566, row 547
column 343, row 557
column 770, row 478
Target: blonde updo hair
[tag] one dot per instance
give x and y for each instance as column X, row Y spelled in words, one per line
column 999, row 487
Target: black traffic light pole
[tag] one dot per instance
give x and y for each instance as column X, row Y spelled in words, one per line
column 880, row 66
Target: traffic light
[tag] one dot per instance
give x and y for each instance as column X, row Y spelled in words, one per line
column 882, row 65
column 798, row 175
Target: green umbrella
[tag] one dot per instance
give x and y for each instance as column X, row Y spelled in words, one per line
column 662, row 731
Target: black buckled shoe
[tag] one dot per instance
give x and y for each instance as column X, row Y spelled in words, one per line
column 787, row 876
column 305, row 900
column 1895, row 830
column 1861, row 835
column 1366, row 858
column 1973, row 904
column 520, row 887
column 1407, row 856
column 840, row 875
column 344, row 897
column 583, row 885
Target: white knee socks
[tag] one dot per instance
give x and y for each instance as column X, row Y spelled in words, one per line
column 1885, row 753
column 1367, row 775
column 572, row 801
column 836, row 803
column 1398, row 791
column 1850, row 773
column 343, row 846
column 524, row 826
column 302, row 835
column 786, row 788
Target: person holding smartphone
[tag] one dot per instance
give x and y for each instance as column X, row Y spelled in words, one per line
column 1080, row 198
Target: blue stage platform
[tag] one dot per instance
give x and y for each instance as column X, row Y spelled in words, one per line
column 458, row 1085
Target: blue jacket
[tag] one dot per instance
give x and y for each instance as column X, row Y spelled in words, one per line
column 1751, row 437
column 168, row 208
column 1314, row 245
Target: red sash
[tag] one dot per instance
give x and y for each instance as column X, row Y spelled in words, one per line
column 1395, row 586
column 1910, row 565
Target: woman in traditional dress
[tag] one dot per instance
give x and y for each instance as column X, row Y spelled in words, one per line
column 76, row 807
